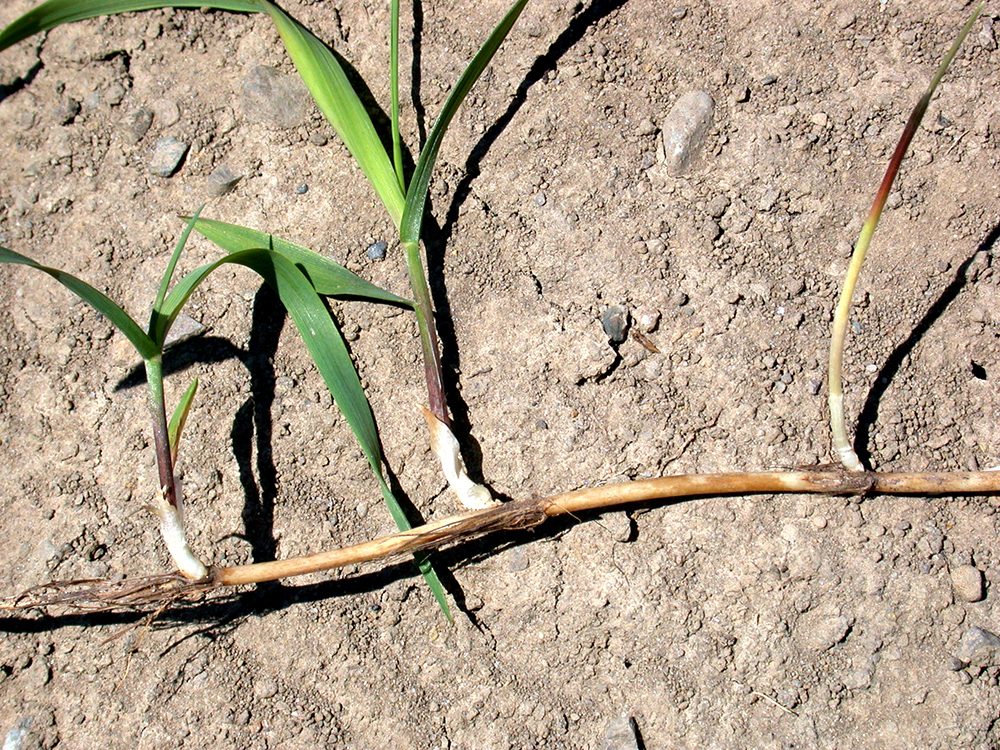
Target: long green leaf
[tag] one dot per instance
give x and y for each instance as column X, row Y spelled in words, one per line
column 397, row 138
column 54, row 13
column 327, row 348
column 328, row 278
column 326, row 80
column 98, row 300
column 416, row 195
column 158, row 328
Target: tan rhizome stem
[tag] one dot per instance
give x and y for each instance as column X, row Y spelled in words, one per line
column 163, row 589
column 529, row 513
column 842, row 447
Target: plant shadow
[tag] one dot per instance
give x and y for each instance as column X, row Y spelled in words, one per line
column 437, row 236
column 893, row 364
column 228, row 610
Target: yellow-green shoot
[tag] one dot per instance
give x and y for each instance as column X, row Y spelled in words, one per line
column 842, row 447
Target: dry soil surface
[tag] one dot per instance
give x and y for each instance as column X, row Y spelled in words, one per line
column 765, row 622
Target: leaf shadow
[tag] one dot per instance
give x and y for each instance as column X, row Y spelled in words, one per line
column 437, row 236
column 899, row 355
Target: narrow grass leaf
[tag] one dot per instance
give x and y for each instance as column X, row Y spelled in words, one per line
column 158, row 327
column 328, row 278
column 416, row 194
column 54, row 13
column 325, row 78
column 98, row 300
column 397, row 139
column 329, row 352
column 179, row 418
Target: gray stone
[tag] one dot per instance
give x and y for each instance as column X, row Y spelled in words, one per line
column 376, row 250
column 685, row 128
column 621, row 734
column 967, row 583
column 976, row 642
column 167, row 156
column 184, row 328
column 67, row 111
column 18, row 733
column 222, row 181
column 136, row 124
column 274, row 99
column 615, row 322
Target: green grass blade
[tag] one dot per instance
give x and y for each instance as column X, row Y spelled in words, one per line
column 326, row 80
column 328, row 350
column 98, row 300
column 397, row 138
column 54, row 13
column 179, row 418
column 158, row 327
column 416, row 194
column 328, row 278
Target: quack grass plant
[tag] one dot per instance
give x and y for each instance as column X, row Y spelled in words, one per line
column 296, row 275
column 404, row 197
column 405, row 200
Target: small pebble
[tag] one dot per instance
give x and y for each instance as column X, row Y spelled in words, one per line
column 114, row 94
column 166, row 112
column 649, row 320
column 820, row 631
column 615, row 322
column 717, row 206
column 540, row 199
column 974, row 641
column 685, row 128
column 16, row 736
column 518, row 561
column 845, row 19
column 184, row 328
column 967, row 583
column 646, row 127
column 621, row 734
column 302, row 189
column 222, row 181
column 265, row 687
column 376, row 251
column 167, row 156
column 67, row 111
column 275, row 99
column 136, row 124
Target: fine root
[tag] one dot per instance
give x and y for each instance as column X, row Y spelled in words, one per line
column 92, row 595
